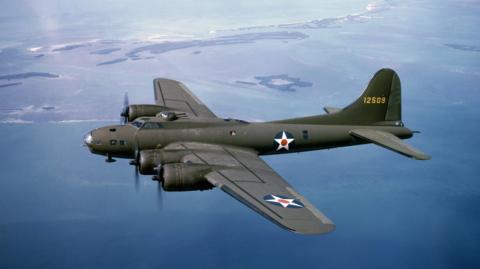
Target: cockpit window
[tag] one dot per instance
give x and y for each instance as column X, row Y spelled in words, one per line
column 137, row 123
column 152, row 125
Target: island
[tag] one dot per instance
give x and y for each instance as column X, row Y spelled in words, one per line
column 28, row 75
column 281, row 82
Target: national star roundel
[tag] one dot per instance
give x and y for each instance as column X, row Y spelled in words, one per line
column 283, row 201
column 283, row 141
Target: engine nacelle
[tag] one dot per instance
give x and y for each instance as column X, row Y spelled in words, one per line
column 152, row 158
column 137, row 111
column 185, row 177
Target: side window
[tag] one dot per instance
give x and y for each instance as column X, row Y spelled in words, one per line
column 149, row 125
column 113, row 142
column 122, row 143
column 305, row 134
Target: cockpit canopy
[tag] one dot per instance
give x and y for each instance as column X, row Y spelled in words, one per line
column 137, row 123
column 143, row 123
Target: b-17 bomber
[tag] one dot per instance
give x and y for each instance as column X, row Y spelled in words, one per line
column 186, row 147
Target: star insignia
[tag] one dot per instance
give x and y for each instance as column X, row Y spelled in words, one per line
column 283, row 201
column 284, row 141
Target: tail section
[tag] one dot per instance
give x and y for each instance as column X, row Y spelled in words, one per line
column 380, row 103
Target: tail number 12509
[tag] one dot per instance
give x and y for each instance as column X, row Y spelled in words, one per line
column 374, row 100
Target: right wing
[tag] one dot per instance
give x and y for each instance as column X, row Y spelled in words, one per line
column 243, row 175
column 173, row 94
column 389, row 141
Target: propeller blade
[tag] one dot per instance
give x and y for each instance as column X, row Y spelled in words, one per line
column 158, row 177
column 125, row 110
column 160, row 195
column 137, row 179
column 137, row 163
column 125, row 100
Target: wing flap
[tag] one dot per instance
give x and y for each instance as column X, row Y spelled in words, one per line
column 389, row 141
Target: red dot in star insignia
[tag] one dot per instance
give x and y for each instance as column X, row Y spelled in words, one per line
column 284, row 142
column 283, row 201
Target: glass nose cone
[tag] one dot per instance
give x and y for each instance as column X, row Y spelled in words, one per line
column 88, row 139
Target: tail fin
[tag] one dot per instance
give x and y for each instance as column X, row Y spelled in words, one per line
column 379, row 103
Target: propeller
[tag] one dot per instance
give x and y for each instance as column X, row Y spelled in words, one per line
column 136, row 163
column 125, row 110
column 160, row 195
column 159, row 179
column 137, row 179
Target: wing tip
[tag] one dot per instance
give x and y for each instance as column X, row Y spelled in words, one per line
column 423, row 157
column 317, row 230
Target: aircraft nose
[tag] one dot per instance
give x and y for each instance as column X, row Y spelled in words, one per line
column 88, row 139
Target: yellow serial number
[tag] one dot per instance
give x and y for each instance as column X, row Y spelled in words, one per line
column 374, row 100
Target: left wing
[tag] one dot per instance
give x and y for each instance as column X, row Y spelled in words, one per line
column 175, row 95
column 241, row 173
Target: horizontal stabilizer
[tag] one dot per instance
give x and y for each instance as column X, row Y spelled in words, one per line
column 331, row 110
column 390, row 142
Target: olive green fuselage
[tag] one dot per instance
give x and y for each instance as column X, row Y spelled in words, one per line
column 257, row 136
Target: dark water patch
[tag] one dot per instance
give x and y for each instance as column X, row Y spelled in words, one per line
column 10, row 84
column 28, row 75
column 39, row 55
column 105, row 51
column 464, row 47
column 119, row 60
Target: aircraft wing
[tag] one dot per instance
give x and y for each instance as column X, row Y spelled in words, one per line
column 175, row 95
column 241, row 173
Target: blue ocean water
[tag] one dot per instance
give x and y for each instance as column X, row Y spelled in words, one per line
column 62, row 207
